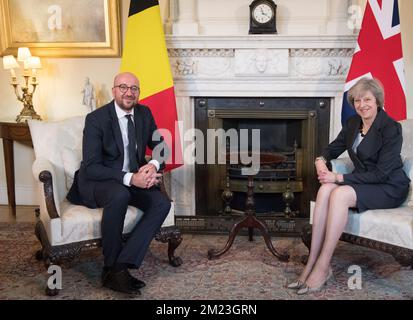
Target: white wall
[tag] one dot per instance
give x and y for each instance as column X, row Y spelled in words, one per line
column 219, row 17
column 61, row 80
column 57, row 97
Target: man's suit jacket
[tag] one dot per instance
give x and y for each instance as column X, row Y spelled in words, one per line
column 378, row 159
column 103, row 151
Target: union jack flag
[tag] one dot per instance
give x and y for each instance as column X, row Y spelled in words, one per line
column 379, row 54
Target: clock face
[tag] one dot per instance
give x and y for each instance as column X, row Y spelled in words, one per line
column 262, row 13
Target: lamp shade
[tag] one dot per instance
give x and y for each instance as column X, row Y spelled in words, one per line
column 32, row 63
column 9, row 62
column 23, row 53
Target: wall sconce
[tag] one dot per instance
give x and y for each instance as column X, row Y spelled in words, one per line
column 30, row 64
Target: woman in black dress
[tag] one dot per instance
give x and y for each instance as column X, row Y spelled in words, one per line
column 373, row 141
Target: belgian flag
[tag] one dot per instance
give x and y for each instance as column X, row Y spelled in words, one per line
column 145, row 55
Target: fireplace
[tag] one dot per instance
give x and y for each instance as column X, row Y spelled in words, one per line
column 293, row 128
column 219, row 85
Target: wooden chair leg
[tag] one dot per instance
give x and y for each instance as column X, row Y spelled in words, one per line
column 405, row 259
column 173, row 243
column 39, row 255
column 173, row 236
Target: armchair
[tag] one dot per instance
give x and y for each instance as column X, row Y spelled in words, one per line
column 64, row 229
column 387, row 230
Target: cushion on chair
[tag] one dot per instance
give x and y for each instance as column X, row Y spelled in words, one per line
column 342, row 165
column 79, row 223
column 407, row 155
column 407, row 146
column 408, row 169
column 392, row 226
column 51, row 140
column 71, row 157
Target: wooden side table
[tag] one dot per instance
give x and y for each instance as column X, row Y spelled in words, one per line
column 9, row 132
column 250, row 220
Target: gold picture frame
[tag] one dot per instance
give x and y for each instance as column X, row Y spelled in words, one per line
column 61, row 28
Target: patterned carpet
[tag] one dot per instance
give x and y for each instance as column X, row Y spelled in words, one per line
column 247, row 271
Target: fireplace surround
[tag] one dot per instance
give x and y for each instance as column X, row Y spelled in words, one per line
column 209, row 68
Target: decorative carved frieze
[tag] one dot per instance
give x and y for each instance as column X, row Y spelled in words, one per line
column 277, row 226
column 260, row 63
column 202, row 67
column 184, row 67
column 227, row 63
column 320, row 67
column 224, row 52
column 187, row 52
column 338, row 67
column 322, row 52
column 216, row 67
column 272, row 62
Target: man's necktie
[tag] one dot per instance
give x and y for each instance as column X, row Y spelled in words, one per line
column 133, row 162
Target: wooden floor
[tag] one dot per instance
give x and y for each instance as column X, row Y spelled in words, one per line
column 23, row 214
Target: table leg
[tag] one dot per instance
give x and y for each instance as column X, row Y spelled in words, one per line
column 213, row 254
column 9, row 164
column 250, row 221
column 267, row 238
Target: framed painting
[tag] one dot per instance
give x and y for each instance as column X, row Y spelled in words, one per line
column 61, row 28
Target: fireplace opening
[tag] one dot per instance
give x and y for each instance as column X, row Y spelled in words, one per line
column 288, row 132
column 280, row 164
column 292, row 133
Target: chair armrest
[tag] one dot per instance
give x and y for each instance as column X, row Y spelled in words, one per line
column 170, row 219
column 342, row 165
column 408, row 169
column 43, row 171
column 162, row 187
column 408, row 166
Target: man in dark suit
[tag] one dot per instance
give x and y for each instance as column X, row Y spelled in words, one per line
column 114, row 174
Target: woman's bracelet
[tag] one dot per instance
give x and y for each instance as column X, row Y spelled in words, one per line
column 320, row 158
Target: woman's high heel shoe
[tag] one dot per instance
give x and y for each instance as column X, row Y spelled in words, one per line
column 306, row 289
column 296, row 285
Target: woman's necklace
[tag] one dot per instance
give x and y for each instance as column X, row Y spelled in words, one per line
column 361, row 130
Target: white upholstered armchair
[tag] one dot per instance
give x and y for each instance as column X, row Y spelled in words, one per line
column 64, row 228
column 388, row 230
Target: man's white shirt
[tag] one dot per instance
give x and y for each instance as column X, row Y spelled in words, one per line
column 123, row 124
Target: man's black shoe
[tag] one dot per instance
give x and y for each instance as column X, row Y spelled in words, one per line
column 136, row 283
column 105, row 272
column 120, row 281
